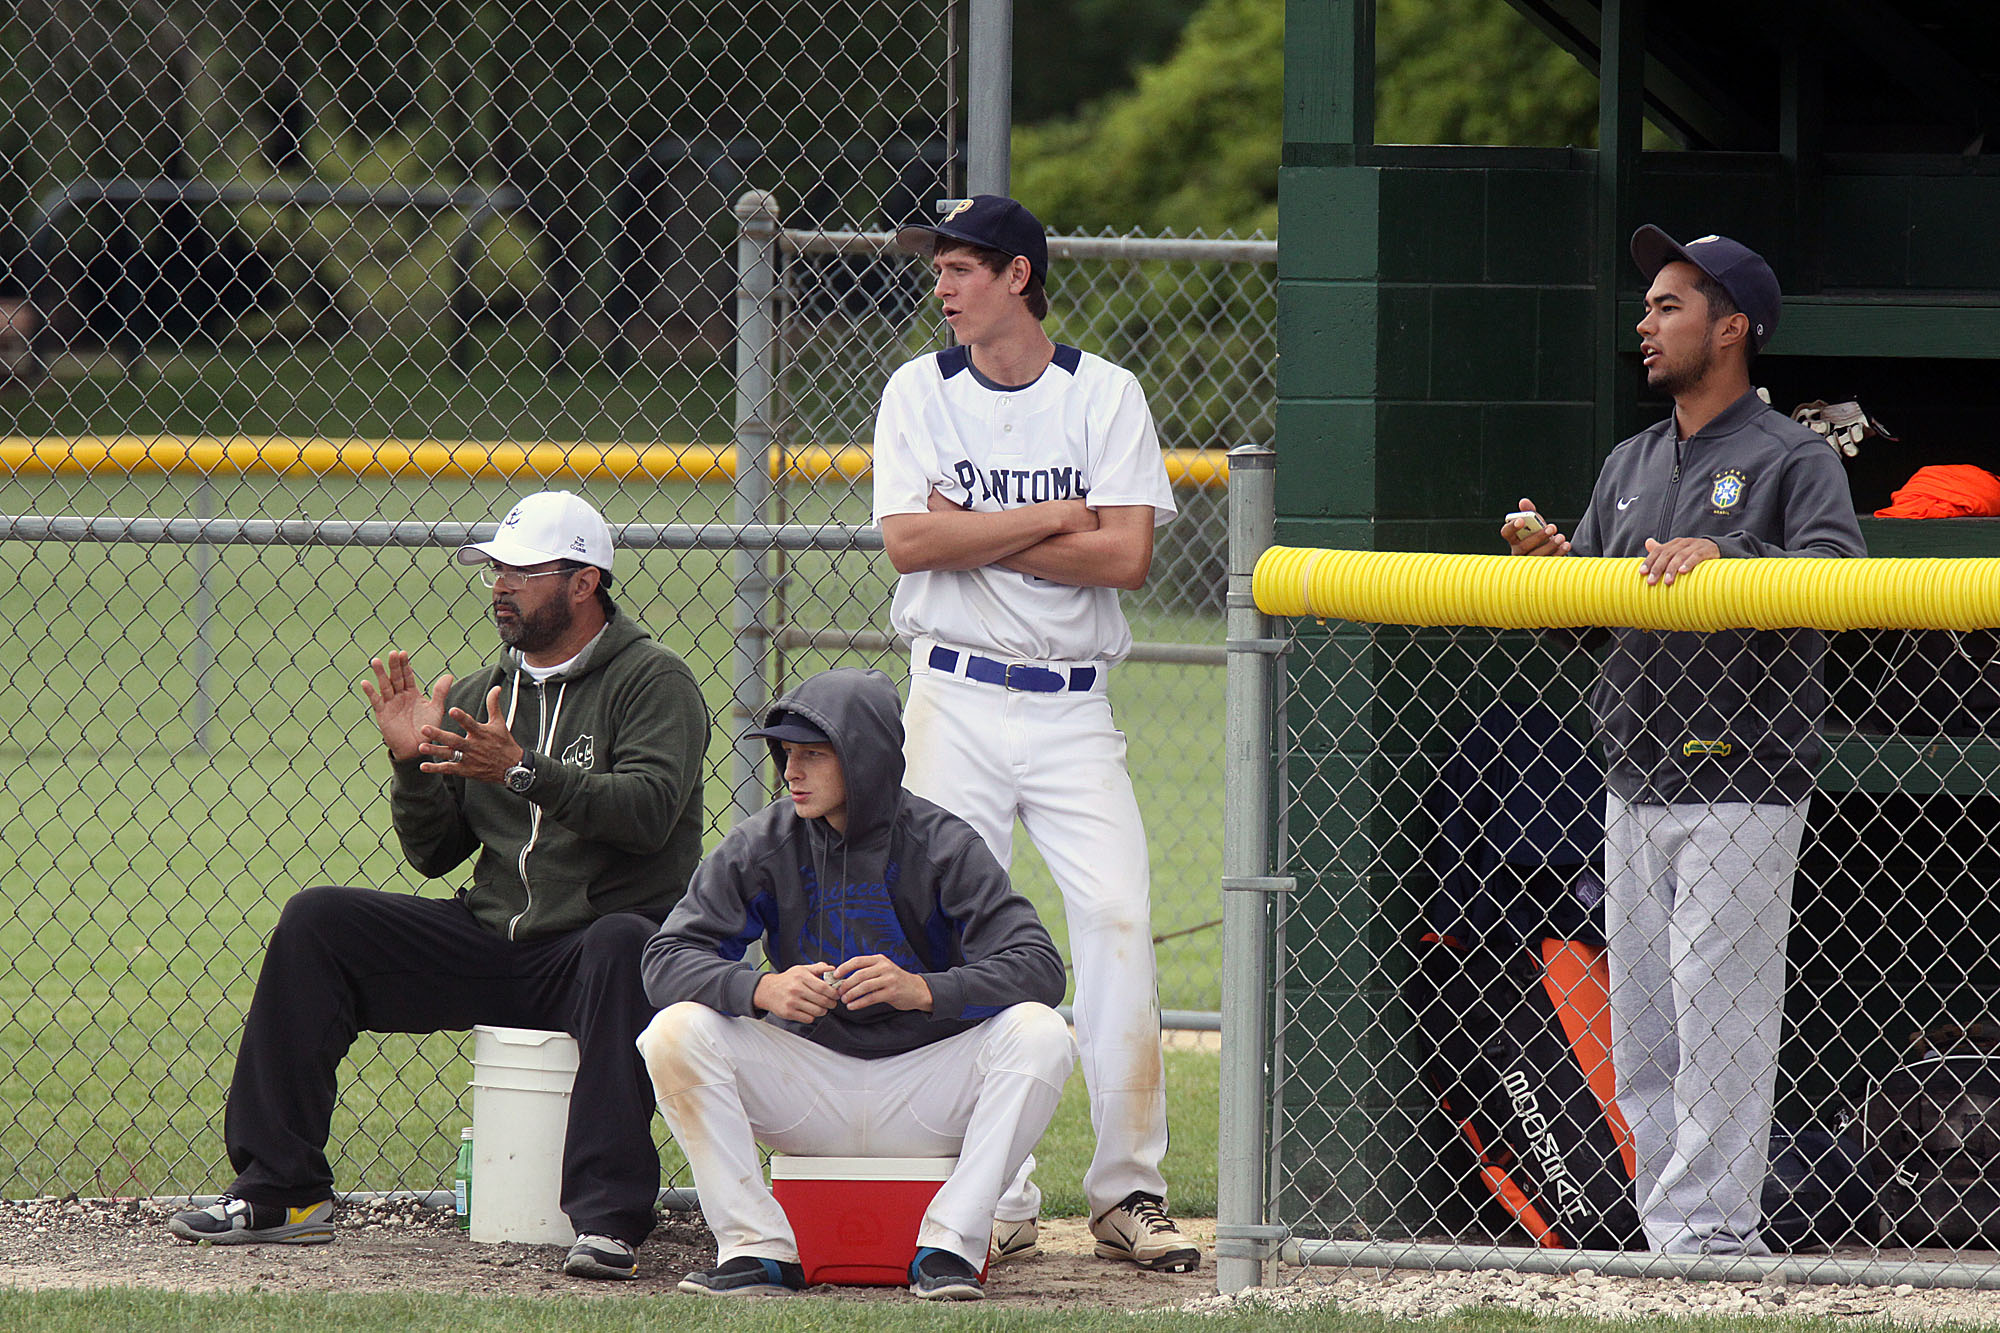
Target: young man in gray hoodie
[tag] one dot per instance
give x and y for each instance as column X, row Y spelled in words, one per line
column 1711, row 742
column 907, row 1010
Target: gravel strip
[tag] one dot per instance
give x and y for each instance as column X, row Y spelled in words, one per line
column 1403, row 1294
column 401, row 1245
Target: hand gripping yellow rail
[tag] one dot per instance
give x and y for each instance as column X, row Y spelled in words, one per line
column 1520, row 592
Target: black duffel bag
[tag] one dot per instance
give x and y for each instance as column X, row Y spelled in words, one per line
column 1931, row 1128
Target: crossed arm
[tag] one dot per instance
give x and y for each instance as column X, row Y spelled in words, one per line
column 1063, row 541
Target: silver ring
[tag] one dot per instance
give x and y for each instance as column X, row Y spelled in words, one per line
column 458, row 756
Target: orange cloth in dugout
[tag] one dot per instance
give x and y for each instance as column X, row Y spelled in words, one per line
column 1951, row 490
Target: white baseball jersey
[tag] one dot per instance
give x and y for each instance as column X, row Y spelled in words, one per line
column 1080, row 431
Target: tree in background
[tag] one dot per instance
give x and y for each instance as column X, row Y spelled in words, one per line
column 1476, row 72
column 1195, row 142
column 1071, row 53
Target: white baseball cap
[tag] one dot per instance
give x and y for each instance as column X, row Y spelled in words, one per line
column 548, row 525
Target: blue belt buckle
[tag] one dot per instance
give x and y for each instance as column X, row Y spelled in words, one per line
column 1039, row 680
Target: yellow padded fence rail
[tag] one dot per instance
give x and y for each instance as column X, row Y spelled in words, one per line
column 1518, row 592
column 245, row 455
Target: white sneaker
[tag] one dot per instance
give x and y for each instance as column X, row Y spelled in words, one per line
column 1012, row 1240
column 601, row 1257
column 1140, row 1231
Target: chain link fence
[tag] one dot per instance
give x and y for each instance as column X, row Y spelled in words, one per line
column 1440, row 1092
column 293, row 297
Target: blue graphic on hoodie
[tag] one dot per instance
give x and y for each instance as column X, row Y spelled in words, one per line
column 848, row 920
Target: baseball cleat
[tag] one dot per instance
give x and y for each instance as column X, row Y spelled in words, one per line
column 233, row 1221
column 1139, row 1231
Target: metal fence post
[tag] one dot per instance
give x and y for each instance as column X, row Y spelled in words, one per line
column 989, row 114
column 204, row 613
column 756, row 399
column 1245, row 1243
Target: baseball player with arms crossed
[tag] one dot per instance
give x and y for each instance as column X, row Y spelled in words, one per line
column 906, row 1012
column 1017, row 485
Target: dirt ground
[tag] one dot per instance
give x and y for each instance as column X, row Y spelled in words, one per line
column 404, row 1246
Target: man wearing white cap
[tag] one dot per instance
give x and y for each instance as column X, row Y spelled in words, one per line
column 571, row 771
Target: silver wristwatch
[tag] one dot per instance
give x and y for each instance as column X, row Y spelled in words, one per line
column 522, row 775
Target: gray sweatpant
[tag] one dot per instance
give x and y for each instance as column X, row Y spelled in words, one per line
column 1697, row 905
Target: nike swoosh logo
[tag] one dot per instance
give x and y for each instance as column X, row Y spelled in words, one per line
column 1627, row 503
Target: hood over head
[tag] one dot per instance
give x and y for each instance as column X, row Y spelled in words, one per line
column 858, row 712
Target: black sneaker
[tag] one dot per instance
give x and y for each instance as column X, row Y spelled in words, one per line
column 940, row 1275
column 233, row 1221
column 746, row 1275
column 600, row 1256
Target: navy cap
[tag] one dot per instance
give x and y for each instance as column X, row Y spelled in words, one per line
column 1741, row 271
column 785, row 725
column 990, row 220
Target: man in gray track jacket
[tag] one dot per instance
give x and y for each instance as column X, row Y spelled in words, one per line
column 570, row 771
column 1711, row 743
column 906, row 1010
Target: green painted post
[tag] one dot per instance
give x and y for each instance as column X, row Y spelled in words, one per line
column 1620, row 120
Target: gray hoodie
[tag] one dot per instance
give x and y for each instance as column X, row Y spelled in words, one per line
column 908, row 880
column 1730, row 716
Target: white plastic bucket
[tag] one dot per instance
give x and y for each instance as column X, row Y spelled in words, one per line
column 521, row 1081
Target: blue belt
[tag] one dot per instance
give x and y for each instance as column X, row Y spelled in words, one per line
column 1035, row 679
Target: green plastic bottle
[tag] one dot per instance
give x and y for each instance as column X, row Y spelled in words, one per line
column 461, row 1190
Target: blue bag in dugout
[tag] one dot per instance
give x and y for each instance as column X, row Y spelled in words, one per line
column 1510, row 1002
column 1519, row 1042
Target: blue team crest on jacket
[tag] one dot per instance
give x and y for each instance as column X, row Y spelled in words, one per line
column 849, row 920
column 1730, row 483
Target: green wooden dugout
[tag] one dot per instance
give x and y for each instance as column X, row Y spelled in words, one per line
column 1455, row 327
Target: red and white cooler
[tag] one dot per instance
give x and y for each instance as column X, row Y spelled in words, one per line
column 856, row 1218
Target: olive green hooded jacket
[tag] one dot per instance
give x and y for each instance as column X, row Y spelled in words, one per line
column 613, row 822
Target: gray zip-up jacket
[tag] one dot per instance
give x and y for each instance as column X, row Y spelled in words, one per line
column 613, row 822
column 908, row 880
column 1730, row 716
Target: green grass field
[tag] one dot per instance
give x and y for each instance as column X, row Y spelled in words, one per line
column 144, row 871
column 381, row 388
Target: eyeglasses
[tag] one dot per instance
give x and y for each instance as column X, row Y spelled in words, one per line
column 500, row 576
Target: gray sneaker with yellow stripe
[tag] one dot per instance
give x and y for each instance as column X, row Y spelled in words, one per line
column 233, row 1221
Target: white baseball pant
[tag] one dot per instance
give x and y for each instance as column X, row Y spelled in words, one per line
column 1056, row 761
column 726, row 1084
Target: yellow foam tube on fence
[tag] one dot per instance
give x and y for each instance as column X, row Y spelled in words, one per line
column 1513, row 592
column 460, row 460
column 249, row 455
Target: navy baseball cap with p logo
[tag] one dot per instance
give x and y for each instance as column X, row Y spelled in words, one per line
column 989, row 220
column 1740, row 270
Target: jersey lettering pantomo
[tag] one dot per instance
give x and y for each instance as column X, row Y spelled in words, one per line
column 1081, row 431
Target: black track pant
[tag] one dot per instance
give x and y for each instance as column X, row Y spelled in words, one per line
column 345, row 961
